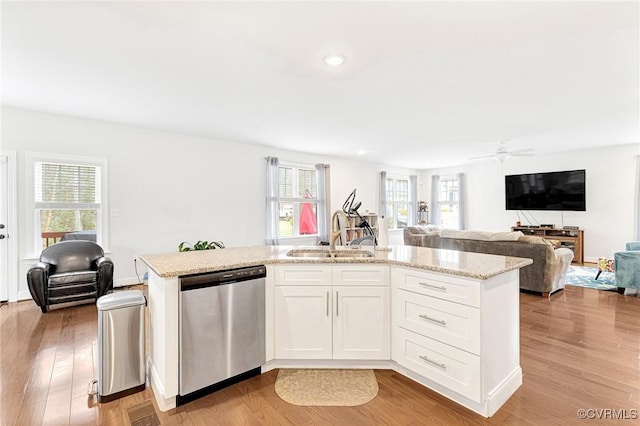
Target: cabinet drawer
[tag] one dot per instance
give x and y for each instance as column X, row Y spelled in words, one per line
column 303, row 275
column 451, row 323
column 452, row 368
column 460, row 290
column 366, row 274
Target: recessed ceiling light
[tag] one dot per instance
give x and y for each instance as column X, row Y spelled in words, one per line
column 361, row 152
column 335, row 60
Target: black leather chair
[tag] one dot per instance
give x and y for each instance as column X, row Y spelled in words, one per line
column 69, row 271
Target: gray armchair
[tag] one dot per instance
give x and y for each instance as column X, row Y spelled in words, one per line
column 70, row 271
column 628, row 266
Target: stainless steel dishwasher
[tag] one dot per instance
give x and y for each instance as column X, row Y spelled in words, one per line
column 222, row 330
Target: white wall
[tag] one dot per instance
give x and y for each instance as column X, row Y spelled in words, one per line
column 607, row 222
column 169, row 187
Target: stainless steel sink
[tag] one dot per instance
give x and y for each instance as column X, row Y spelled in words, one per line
column 318, row 253
column 352, row 253
column 308, row 253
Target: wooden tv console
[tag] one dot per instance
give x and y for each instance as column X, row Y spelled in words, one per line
column 570, row 238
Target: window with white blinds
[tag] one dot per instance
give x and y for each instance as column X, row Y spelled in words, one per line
column 297, row 201
column 67, row 186
column 67, row 199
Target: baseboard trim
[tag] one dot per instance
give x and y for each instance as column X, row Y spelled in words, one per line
column 164, row 404
column 124, row 282
column 315, row 363
column 486, row 408
column 498, row 396
column 23, row 295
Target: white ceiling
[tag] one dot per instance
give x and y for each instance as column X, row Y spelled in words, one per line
column 426, row 84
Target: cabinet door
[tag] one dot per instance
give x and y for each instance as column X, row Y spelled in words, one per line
column 303, row 322
column 361, row 323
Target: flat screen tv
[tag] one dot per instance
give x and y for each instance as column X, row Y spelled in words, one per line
column 546, row 191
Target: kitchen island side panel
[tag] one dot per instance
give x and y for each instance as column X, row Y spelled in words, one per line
column 163, row 339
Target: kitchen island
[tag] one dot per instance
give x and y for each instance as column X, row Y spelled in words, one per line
column 448, row 320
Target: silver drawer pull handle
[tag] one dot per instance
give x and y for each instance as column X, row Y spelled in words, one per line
column 437, row 287
column 437, row 321
column 437, row 364
column 327, row 303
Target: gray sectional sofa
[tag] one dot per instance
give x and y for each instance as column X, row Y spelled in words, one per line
column 546, row 275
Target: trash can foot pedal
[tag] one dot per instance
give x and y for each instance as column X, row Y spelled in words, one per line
column 92, row 389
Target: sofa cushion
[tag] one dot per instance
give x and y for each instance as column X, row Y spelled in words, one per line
column 423, row 229
column 68, row 278
column 533, row 239
column 481, row 235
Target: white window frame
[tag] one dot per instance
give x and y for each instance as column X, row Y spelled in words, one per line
column 33, row 219
column 442, row 202
column 395, row 203
column 298, row 200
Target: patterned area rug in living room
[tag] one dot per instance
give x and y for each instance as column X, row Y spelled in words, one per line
column 584, row 276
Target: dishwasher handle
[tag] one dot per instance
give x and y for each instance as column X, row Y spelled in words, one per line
column 212, row 279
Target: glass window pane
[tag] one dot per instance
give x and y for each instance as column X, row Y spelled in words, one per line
column 390, row 190
column 390, row 217
column 308, row 220
column 285, row 181
column 449, row 216
column 307, row 184
column 403, row 211
column 285, row 219
column 402, row 190
column 54, row 224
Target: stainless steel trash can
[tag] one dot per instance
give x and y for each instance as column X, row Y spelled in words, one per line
column 121, row 343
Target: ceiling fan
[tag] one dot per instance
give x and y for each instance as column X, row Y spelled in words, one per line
column 503, row 153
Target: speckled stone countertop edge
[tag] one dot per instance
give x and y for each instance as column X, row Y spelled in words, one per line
column 173, row 265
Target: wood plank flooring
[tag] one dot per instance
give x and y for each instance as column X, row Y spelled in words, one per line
column 581, row 349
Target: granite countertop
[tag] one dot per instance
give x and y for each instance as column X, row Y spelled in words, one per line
column 465, row 264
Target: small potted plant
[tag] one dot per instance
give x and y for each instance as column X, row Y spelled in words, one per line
column 200, row 245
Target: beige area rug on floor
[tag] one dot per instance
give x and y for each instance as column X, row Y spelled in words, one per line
column 326, row 387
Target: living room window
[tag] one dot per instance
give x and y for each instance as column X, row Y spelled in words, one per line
column 398, row 200
column 67, row 199
column 449, row 202
column 448, row 197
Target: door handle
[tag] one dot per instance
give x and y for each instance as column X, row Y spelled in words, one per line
column 2, row 237
column 337, row 303
column 1, row 225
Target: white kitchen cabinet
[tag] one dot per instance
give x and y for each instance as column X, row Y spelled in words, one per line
column 458, row 336
column 361, row 323
column 455, row 324
column 347, row 318
column 446, row 365
column 303, row 322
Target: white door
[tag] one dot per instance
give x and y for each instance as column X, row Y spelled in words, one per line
column 362, row 323
column 4, row 216
column 303, row 322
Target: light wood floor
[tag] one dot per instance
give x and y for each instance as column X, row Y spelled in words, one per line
column 581, row 349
